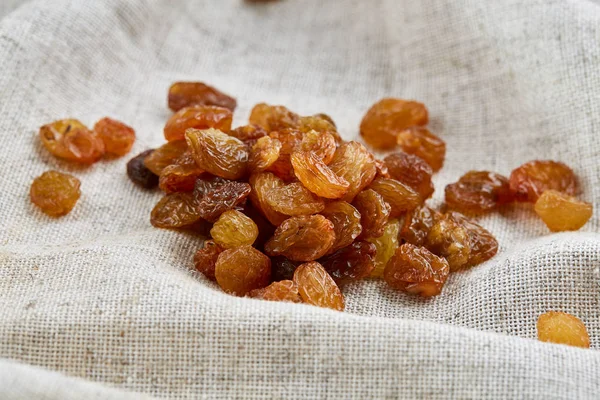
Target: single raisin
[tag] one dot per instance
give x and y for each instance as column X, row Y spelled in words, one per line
column 482, row 243
column 139, row 173
column 197, row 117
column 412, row 171
column 561, row 212
column 374, row 212
column 318, row 177
column 562, row 328
column 164, row 156
column 205, row 259
column 234, row 229
column 417, row 225
column 175, row 210
column 385, row 246
column 317, row 288
column 353, row 162
column 285, row 290
column 320, row 124
column 530, row 180
column 422, row 143
column 180, row 176
column 350, row 263
column 264, row 153
column 118, row 138
column 242, row 269
column 294, row 199
column 55, row 193
column 321, row 143
column 290, row 140
column 282, row 268
column 449, row 239
column 73, row 141
column 326, row 118
column 185, row 94
column 216, row 195
column 346, row 223
column 478, row 192
column 302, row 238
column 248, row 133
column 273, row 118
column 398, row 195
column 262, row 183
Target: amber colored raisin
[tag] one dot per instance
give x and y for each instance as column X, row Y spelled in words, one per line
column 416, row 270
column 422, row 143
column 139, row 174
column 318, row 177
column 273, row 118
column 320, row 124
column 326, row 118
column 317, row 287
column 385, row 246
column 248, row 133
column 118, row 138
column 411, row 170
column 449, row 239
column 55, row 193
column 165, row 155
column 264, row 153
column 295, row 199
column 561, row 212
column 321, row 143
column 382, row 171
column 180, row 176
column 215, row 195
column 350, row 263
column 205, row 259
column 175, row 210
column 482, row 243
column 417, row 225
column 346, row 223
column 234, row 229
column 262, row 183
column 374, row 212
column 218, row 153
column 197, row 117
column 302, row 238
column 353, row 162
column 530, row 180
column 282, row 268
column 386, row 118
column 73, row 141
column 478, row 192
column 242, row 269
column 398, row 195
column 185, row 94
column 562, row 328
column 285, row 290
column 290, row 140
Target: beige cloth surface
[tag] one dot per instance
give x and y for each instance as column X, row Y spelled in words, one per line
column 103, row 296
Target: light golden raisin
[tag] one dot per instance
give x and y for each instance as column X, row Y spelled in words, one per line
column 242, row 269
column 55, row 193
column 353, row 162
column 412, row 171
column 317, row 288
column 175, row 210
column 285, row 290
column 561, row 212
column 318, row 177
column 216, row 195
column 139, row 174
column 562, row 328
column 185, row 94
column 448, row 239
column 118, row 138
column 71, row 140
column 478, row 192
column 417, row 225
column 180, row 176
column 234, row 229
column 346, row 223
column 320, row 124
column 351, row 263
column 294, row 199
column 264, row 153
column 398, row 195
column 326, row 118
column 482, row 243
column 422, row 143
column 385, row 246
column 273, row 118
column 290, row 140
column 374, row 212
column 197, row 117
column 530, row 180
column 247, row 133
column 321, row 143
column 302, row 238
column 205, row 259
column 164, row 156
column 386, row 118
column 416, row 270
column 382, row 169
column 262, row 183
column 218, row 153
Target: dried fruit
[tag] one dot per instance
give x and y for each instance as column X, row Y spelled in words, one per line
column 294, row 199
column 262, row 184
column 562, row 328
column 422, row 143
column 561, row 212
column 285, row 290
column 175, row 210
column 321, row 143
column 118, row 138
column 55, row 193
column 385, row 246
column 197, row 117
column 205, row 259
column 353, row 162
column 477, row 192
column 71, row 140
column 412, row 171
column 180, row 176
column 449, row 239
column 290, row 140
column 242, row 269
column 482, row 243
column 530, row 180
column 382, row 169
column 273, row 118
column 247, row 133
column 234, row 229
column 185, row 94
column 282, row 268
column 318, row 177
column 326, row 118
column 265, row 228
column 302, row 238
column 398, row 195
column 416, row 270
column 317, row 288
column 139, row 173
column 417, row 225
column 374, row 212
column 385, row 119
column 264, row 153
column 215, row 195
column 218, row 153
column 320, row 124
column 346, row 223
column 165, row 155
column 351, row 263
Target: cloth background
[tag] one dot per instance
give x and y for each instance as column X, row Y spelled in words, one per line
column 99, row 304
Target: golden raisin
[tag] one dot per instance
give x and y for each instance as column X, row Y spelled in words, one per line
column 180, row 176
column 242, row 269
column 412, row 171
column 185, row 94
column 320, row 124
column 398, row 195
column 197, row 117
column 165, row 155
column 416, row 270
column 382, row 169
column 273, row 118
column 295, row 199
column 530, row 180
column 346, row 223
column 264, row 153
column 422, row 143
column 262, row 183
column 561, row 212
column 482, row 243
column 290, row 140
column 317, row 288
column 417, row 225
column 205, row 259
column 353, row 162
column 175, row 210
column 449, row 239
column 216, row 195
column 71, row 140
column 247, row 133
column 321, row 143
column 385, row 246
column 234, row 229
column 55, row 193
column 285, row 290
column 562, row 328
column 318, row 177
column 118, row 138
column 302, row 238
column 326, row 118
column 139, row 174
column 351, row 263
column 374, row 212
column 477, row 192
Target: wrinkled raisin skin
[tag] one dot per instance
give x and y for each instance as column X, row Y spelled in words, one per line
column 197, row 117
column 321, row 143
column 317, row 177
column 374, row 212
column 561, row 212
column 205, row 259
column 350, row 263
column 218, row 153
column 215, row 195
column 562, row 328
column 411, row 170
column 242, row 269
column 385, row 246
column 317, row 288
column 294, row 199
column 482, row 243
column 285, row 290
column 165, row 155
column 346, row 223
column 353, row 162
column 424, row 144
column 478, row 192
column 398, row 195
column 273, row 118
column 185, row 94
column 234, row 229
column 179, row 177
column 71, row 140
column 175, row 210
column 449, row 239
column 262, row 184
column 248, row 133
column 118, row 138
column 417, row 225
column 530, row 180
column 264, row 153
column 139, row 173
column 55, row 193
column 290, row 140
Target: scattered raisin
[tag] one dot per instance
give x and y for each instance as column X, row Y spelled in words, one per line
column 234, row 229
column 562, row 328
column 205, row 259
column 242, row 269
column 197, row 117
column 353, row 162
column 346, row 223
column 385, row 246
column 374, row 212
column 321, row 143
column 175, row 210
column 351, row 263
column 422, row 143
column 164, row 156
column 55, row 193
column 118, row 138
column 530, row 180
column 216, row 195
column 417, row 225
column 285, row 290
column 139, row 173
column 264, row 153
column 478, row 192
column 318, row 177
column 73, row 141
column 449, row 239
column 398, row 195
column 561, row 212
column 317, row 288
column 302, row 238
column 412, row 171
column 185, row 94
column 294, row 199
column 482, row 243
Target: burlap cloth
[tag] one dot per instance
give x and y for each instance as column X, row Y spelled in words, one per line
column 99, row 303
